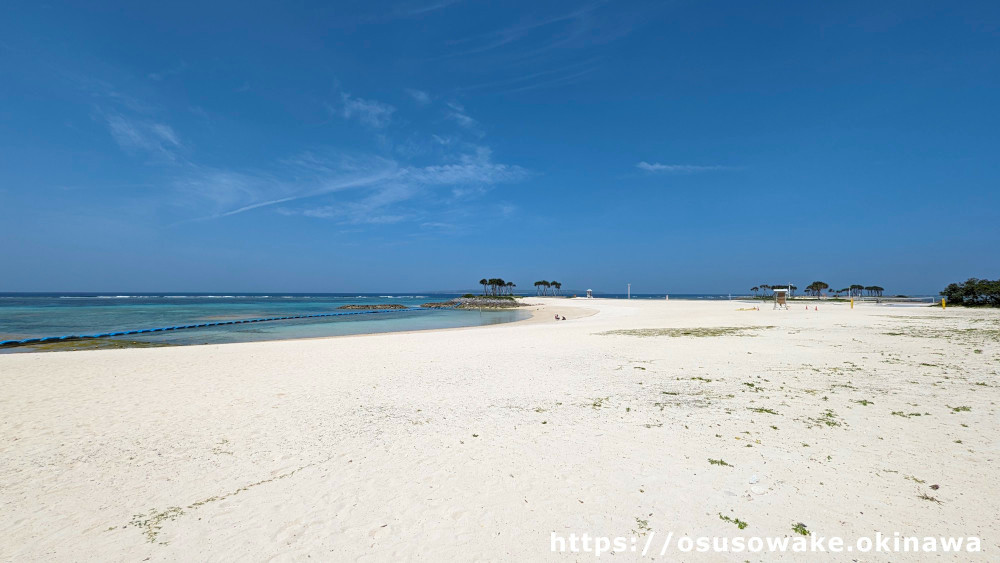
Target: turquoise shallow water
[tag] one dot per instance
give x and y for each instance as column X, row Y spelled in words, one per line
column 42, row 315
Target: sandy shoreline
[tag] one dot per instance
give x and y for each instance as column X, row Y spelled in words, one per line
column 478, row 443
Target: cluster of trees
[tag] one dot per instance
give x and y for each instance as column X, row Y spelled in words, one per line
column 973, row 292
column 817, row 288
column 497, row 286
column 542, row 287
column 857, row 290
column 768, row 287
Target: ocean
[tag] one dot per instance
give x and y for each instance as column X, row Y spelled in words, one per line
column 39, row 315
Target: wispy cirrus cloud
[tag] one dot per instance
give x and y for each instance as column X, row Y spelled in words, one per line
column 456, row 112
column 417, row 9
column 476, row 169
column 657, row 168
column 422, row 98
column 365, row 189
column 135, row 135
column 437, row 183
column 546, row 49
column 521, row 31
column 369, row 112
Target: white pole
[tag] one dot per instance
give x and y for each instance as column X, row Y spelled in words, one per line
column 630, row 291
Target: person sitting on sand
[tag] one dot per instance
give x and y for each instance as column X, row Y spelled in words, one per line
column 557, row 317
column 562, row 319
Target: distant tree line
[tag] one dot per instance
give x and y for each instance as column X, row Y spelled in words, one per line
column 817, row 288
column 973, row 292
column 791, row 287
column 498, row 286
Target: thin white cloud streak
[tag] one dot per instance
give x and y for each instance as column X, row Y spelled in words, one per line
column 508, row 35
column 567, row 79
column 657, row 168
column 134, row 135
column 426, row 8
column 384, row 182
column 457, row 114
column 333, row 186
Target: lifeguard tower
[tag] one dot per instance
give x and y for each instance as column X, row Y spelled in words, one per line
column 590, row 294
column 780, row 298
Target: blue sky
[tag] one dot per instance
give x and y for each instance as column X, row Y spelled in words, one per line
column 422, row 144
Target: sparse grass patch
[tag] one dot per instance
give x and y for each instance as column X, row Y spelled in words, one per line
column 763, row 410
column 959, row 409
column 152, row 523
column 800, row 529
column 642, row 527
column 221, row 448
column 702, row 332
column 925, row 496
column 863, row 402
column 598, row 402
column 719, row 462
column 828, row 418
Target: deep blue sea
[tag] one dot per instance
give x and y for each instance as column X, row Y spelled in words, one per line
column 37, row 315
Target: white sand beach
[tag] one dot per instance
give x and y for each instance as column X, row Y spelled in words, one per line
column 479, row 443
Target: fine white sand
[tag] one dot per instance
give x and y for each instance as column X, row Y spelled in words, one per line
column 478, row 443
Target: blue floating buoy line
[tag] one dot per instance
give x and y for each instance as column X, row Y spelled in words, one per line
column 42, row 340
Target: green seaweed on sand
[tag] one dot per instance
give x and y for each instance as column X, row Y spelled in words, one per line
column 739, row 523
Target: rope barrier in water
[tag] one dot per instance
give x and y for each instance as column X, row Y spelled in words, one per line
column 42, row 340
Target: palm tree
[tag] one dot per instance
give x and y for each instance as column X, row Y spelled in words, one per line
column 483, row 282
column 538, row 288
column 755, row 289
column 545, row 287
column 558, row 286
column 510, row 288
